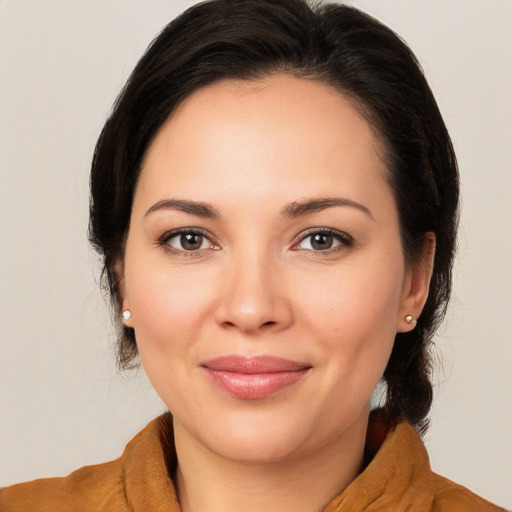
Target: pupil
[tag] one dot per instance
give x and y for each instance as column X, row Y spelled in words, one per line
column 321, row 242
column 191, row 241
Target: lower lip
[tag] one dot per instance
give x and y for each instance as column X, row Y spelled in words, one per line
column 254, row 386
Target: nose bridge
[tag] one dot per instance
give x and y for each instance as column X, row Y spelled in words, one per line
column 253, row 297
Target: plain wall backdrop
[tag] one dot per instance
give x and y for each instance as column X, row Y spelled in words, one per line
column 62, row 403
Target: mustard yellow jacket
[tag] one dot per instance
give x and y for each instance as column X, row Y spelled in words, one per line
column 397, row 479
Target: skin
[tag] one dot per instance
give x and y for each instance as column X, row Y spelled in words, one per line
column 258, row 286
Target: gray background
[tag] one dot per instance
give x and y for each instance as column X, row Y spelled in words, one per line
column 62, row 403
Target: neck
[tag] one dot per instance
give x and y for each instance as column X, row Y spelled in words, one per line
column 304, row 482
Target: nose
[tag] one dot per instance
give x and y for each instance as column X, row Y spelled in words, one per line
column 254, row 297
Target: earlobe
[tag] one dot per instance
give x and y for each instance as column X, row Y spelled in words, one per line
column 127, row 317
column 121, row 293
column 410, row 320
column 416, row 286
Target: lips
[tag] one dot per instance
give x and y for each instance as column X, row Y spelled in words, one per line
column 253, row 378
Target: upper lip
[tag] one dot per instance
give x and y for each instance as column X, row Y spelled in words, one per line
column 255, row 364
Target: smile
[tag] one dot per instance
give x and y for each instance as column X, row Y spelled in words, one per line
column 253, row 378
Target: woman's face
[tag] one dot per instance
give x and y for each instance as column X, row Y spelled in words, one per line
column 264, row 269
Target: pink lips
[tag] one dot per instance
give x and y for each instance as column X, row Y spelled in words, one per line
column 252, row 378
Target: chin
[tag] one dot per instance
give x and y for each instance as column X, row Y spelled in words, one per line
column 263, row 446
column 270, row 436
column 251, row 435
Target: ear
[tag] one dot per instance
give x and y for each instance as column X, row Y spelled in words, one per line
column 416, row 286
column 121, row 293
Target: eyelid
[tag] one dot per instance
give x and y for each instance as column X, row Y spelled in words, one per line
column 344, row 238
column 165, row 237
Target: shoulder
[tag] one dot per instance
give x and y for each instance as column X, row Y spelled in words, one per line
column 138, row 480
column 452, row 497
column 399, row 476
column 98, row 487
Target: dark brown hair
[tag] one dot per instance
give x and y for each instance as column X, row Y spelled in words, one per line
column 331, row 43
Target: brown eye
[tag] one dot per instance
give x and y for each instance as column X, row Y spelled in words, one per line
column 188, row 241
column 191, row 241
column 321, row 241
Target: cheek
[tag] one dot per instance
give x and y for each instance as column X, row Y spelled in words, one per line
column 169, row 309
column 167, row 306
column 352, row 314
column 355, row 297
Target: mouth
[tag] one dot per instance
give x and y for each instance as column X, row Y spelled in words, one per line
column 253, row 378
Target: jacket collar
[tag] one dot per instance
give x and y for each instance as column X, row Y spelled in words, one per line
column 397, row 474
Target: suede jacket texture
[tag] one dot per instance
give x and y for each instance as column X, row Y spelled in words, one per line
column 398, row 478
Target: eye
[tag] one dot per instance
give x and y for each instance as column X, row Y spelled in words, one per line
column 323, row 240
column 187, row 241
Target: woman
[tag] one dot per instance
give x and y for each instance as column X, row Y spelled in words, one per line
column 275, row 199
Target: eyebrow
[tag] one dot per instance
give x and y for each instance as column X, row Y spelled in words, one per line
column 296, row 209
column 291, row 210
column 192, row 207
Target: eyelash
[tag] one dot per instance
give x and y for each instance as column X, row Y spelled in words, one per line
column 344, row 240
column 164, row 240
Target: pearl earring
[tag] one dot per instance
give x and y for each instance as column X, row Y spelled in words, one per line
column 410, row 320
column 127, row 314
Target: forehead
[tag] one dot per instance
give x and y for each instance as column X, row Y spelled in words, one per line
column 279, row 131
column 282, row 96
